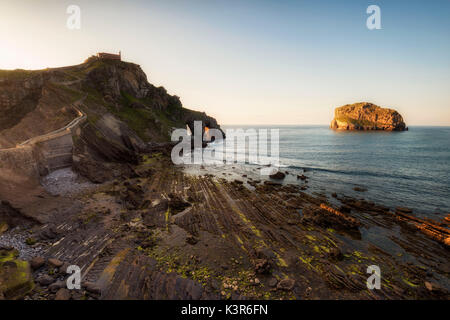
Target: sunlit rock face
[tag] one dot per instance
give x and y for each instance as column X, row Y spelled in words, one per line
column 367, row 116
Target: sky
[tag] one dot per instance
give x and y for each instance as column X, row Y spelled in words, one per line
column 253, row 61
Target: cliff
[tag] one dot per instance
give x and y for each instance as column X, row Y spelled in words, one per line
column 367, row 116
column 124, row 113
column 37, row 102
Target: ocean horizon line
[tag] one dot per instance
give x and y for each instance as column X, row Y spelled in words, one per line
column 322, row 125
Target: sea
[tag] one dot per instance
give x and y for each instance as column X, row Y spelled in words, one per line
column 397, row 169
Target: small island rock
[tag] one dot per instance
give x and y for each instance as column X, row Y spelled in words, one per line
column 367, row 116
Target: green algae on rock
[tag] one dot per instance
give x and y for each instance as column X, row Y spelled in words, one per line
column 15, row 275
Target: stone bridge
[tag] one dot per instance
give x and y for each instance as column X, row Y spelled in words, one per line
column 46, row 153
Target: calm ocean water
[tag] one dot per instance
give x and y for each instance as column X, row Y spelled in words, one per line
column 409, row 168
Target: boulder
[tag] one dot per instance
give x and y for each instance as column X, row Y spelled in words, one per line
column 3, row 227
column 265, row 253
column 54, row 287
column 272, row 282
column 177, row 204
column 45, row 280
column 37, row 262
column 286, row 284
column 191, row 239
column 62, row 294
column 263, row 266
column 92, row 288
column 435, row 289
column 55, row 262
column 403, row 210
column 15, row 276
column 48, row 233
column 278, row 175
column 63, row 269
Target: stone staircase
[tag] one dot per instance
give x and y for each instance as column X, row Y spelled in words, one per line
column 44, row 153
column 58, row 152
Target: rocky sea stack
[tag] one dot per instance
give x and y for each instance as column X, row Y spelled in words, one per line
column 367, row 116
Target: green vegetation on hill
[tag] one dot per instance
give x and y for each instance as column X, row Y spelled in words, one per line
column 148, row 123
column 16, row 74
column 113, row 89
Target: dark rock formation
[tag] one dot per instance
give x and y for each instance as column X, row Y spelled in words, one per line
column 15, row 275
column 13, row 217
column 278, row 175
column 325, row 216
column 26, row 98
column 37, row 262
column 124, row 87
column 123, row 113
column 286, row 284
column 367, row 116
column 189, row 116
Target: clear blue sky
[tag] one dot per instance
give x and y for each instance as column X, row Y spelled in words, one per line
column 254, row 61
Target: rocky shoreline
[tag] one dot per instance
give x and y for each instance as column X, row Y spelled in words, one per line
column 157, row 232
